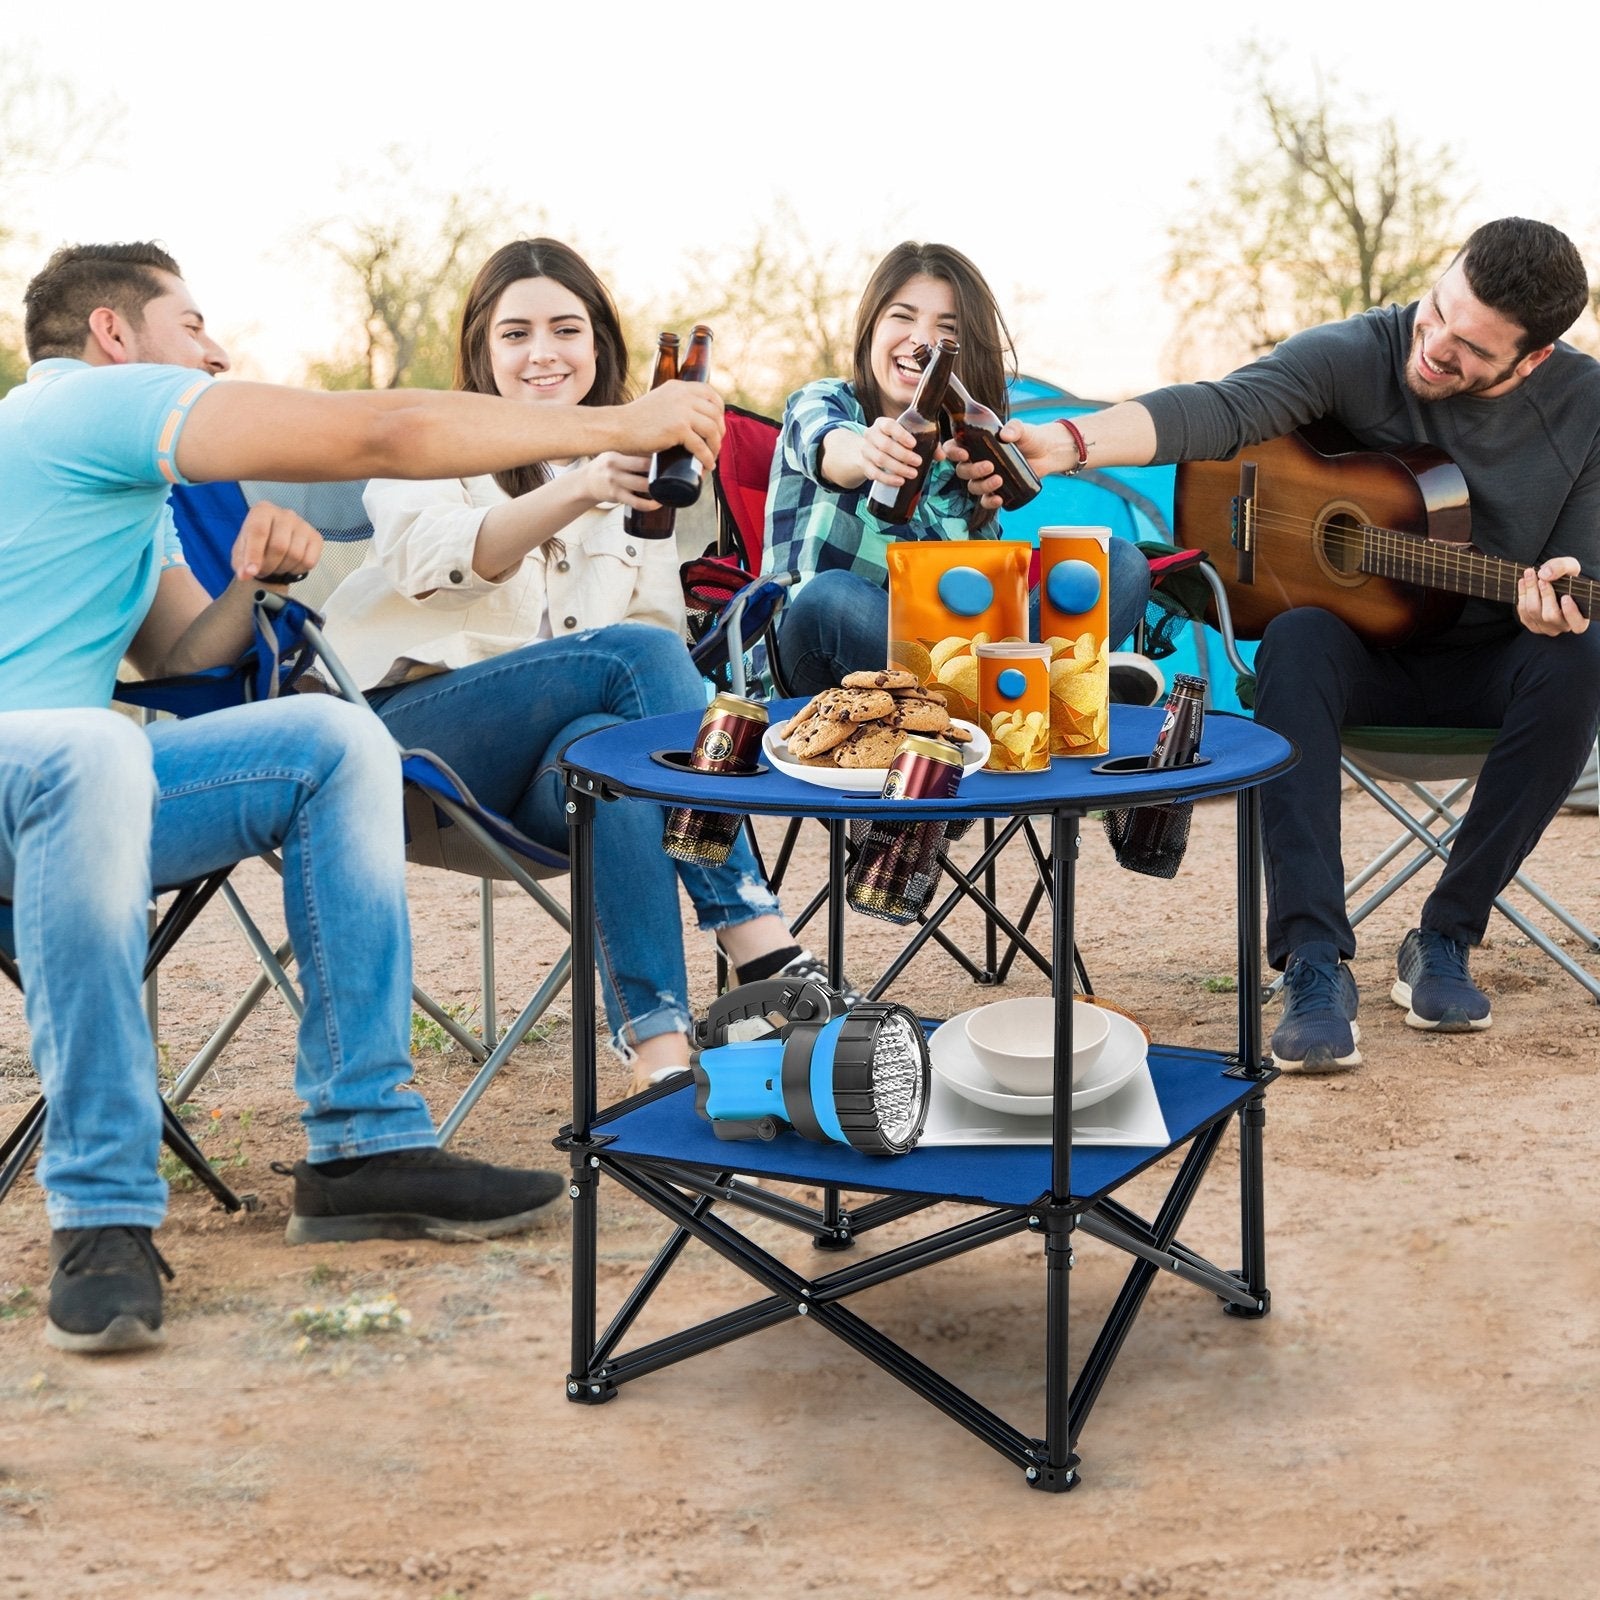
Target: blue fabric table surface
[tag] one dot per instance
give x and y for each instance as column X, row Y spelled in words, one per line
column 1191, row 1085
column 1239, row 754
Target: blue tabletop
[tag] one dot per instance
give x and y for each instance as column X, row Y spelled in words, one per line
column 1239, row 754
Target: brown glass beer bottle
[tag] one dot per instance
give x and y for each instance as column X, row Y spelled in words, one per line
column 976, row 429
column 675, row 474
column 656, row 524
column 921, row 420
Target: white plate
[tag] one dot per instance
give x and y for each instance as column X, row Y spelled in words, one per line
column 863, row 780
column 956, row 1065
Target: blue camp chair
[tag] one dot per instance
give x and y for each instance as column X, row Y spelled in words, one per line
column 445, row 826
column 279, row 656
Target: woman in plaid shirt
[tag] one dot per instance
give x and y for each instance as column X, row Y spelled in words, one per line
column 840, row 437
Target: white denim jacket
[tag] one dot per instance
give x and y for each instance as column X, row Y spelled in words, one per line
column 424, row 533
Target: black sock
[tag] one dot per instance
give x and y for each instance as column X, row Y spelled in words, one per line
column 765, row 966
column 339, row 1169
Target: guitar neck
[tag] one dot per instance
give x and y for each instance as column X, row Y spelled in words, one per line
column 1457, row 568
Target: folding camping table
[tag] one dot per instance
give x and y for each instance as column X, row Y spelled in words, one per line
column 655, row 1145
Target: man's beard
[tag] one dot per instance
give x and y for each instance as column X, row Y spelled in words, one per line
column 1438, row 391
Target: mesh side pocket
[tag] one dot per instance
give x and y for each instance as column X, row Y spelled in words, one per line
column 1150, row 839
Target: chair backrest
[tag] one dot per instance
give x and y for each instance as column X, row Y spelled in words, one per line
column 744, row 469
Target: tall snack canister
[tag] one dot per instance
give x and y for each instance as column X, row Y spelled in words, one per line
column 1074, row 615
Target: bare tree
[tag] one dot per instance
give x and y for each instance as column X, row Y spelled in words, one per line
column 1325, row 215
column 407, row 258
column 782, row 307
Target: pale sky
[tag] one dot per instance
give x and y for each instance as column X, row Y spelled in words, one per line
column 1052, row 142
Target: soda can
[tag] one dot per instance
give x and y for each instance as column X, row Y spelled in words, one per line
column 729, row 740
column 1074, row 616
column 1014, row 705
column 897, row 863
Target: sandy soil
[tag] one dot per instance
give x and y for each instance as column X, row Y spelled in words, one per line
column 1417, row 1417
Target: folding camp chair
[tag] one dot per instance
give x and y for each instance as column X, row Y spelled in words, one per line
column 445, row 826
column 277, row 658
column 1420, row 760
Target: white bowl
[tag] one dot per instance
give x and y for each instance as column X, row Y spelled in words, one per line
column 1014, row 1041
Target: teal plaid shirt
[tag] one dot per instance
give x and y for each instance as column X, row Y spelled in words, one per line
column 813, row 527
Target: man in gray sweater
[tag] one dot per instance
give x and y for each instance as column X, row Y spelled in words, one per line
column 1475, row 368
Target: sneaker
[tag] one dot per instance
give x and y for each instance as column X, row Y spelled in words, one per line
column 1434, row 986
column 805, row 966
column 105, row 1290
column 1135, row 679
column 1317, row 1032
column 417, row 1194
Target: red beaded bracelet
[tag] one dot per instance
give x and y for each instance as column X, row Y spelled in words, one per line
column 1077, row 439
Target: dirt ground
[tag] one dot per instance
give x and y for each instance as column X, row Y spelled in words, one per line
column 1417, row 1417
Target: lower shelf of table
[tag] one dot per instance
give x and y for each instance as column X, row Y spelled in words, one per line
column 1194, row 1087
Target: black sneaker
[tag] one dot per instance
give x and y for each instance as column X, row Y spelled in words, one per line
column 105, row 1290
column 814, row 970
column 1318, row 1031
column 417, row 1194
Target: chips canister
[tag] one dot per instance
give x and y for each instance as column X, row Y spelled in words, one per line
column 1074, row 615
column 1014, row 705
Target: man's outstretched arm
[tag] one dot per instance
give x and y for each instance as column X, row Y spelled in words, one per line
column 262, row 431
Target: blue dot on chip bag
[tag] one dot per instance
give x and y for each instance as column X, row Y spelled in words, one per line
column 1012, row 684
column 965, row 592
column 1073, row 586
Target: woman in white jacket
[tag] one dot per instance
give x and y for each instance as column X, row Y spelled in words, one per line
column 498, row 618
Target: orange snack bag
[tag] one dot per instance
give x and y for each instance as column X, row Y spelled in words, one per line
column 1074, row 611
column 945, row 597
column 1014, row 705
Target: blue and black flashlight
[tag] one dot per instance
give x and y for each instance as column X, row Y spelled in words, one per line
column 858, row 1077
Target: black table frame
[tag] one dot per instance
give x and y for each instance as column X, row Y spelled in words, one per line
column 686, row 1193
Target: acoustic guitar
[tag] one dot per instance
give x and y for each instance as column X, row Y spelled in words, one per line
column 1377, row 537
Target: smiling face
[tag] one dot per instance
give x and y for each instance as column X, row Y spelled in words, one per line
column 541, row 344
column 171, row 331
column 921, row 311
column 1460, row 347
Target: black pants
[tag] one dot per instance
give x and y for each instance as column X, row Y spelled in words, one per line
column 1315, row 676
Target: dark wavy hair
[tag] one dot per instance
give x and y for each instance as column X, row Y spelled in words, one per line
column 1530, row 273
column 540, row 258
column 988, row 357
column 80, row 278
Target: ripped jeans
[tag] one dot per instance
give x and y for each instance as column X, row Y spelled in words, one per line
column 502, row 725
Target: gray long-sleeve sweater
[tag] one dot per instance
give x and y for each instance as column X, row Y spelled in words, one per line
column 1531, row 458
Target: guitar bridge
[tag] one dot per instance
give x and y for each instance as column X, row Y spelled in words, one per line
column 1244, row 524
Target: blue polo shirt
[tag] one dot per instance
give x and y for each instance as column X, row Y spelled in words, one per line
column 87, row 455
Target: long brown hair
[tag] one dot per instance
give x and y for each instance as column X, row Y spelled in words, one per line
column 540, row 258
column 988, row 357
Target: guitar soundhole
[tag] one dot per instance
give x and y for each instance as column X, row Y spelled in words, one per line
column 1339, row 544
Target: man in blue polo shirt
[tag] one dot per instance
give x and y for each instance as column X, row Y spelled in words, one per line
column 121, row 404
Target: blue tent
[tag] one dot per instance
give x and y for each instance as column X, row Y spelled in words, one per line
column 1134, row 502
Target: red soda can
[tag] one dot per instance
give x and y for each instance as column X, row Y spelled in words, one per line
column 897, row 863
column 729, row 740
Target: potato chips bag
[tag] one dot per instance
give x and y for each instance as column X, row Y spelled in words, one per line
column 947, row 595
column 1073, row 617
column 1014, row 705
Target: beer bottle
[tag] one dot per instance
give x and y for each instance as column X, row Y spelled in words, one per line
column 656, row 524
column 976, row 429
column 1154, row 837
column 921, row 420
column 675, row 474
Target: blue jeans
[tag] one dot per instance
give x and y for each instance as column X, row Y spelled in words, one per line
column 93, row 812
column 502, row 724
column 839, row 623
column 1314, row 676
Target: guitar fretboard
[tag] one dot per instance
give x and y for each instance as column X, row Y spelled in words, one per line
column 1457, row 568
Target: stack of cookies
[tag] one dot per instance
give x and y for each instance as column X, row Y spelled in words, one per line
column 861, row 723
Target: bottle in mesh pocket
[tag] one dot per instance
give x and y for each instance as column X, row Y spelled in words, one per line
column 728, row 741
column 1152, row 839
column 897, row 863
